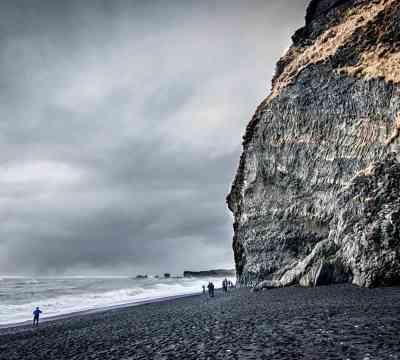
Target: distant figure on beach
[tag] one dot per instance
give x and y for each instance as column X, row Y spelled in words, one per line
column 210, row 287
column 204, row 289
column 36, row 315
column 225, row 285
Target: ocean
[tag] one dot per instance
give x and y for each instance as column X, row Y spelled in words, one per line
column 19, row 296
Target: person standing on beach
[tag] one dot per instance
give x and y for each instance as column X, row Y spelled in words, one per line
column 204, row 289
column 210, row 287
column 36, row 315
column 225, row 285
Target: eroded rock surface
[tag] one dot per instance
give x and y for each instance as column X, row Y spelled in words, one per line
column 315, row 198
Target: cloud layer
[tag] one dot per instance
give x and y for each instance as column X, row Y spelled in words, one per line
column 121, row 125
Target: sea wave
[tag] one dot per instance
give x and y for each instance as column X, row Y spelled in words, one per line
column 91, row 299
column 66, row 304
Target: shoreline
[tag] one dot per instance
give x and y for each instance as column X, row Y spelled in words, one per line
column 329, row 322
column 102, row 309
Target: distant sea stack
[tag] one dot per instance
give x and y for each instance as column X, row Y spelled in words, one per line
column 316, row 197
column 210, row 273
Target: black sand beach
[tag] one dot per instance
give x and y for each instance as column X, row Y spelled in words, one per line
column 335, row 322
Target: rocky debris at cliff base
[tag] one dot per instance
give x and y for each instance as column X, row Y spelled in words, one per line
column 267, row 284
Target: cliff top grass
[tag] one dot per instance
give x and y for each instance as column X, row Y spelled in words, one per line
column 377, row 63
column 360, row 28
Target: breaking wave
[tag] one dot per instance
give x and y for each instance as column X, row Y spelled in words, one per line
column 64, row 296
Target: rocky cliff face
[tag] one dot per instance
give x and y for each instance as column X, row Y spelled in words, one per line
column 316, row 195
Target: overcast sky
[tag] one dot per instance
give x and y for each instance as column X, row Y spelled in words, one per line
column 121, row 126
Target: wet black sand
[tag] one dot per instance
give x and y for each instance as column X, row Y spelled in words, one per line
column 336, row 322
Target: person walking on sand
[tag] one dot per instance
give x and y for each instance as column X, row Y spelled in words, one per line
column 212, row 289
column 36, row 315
column 204, row 289
column 225, row 285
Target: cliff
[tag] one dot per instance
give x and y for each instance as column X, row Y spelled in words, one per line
column 316, row 195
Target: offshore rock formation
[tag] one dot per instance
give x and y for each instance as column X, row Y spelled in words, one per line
column 210, row 273
column 316, row 195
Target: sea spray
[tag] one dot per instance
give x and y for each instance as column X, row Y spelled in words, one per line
column 64, row 295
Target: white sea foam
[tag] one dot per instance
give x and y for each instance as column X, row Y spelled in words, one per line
column 86, row 294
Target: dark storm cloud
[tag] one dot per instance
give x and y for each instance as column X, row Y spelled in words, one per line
column 120, row 128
